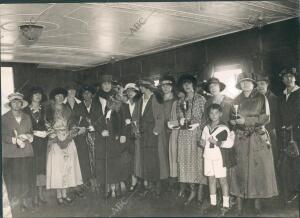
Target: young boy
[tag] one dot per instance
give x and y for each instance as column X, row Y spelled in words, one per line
column 216, row 137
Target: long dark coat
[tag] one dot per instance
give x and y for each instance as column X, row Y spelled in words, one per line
column 152, row 120
column 107, row 149
column 39, row 145
column 131, row 158
column 272, row 127
column 289, row 114
column 82, row 116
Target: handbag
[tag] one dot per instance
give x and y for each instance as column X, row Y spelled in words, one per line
column 292, row 149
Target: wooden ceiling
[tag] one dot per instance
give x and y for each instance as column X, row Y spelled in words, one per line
column 90, row 34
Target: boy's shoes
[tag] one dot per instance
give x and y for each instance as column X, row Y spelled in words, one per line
column 224, row 211
column 210, row 209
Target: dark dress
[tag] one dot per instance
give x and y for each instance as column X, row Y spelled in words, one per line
column 108, row 150
column 128, row 154
column 272, row 127
column 39, row 144
column 150, row 169
column 83, row 117
column 289, row 114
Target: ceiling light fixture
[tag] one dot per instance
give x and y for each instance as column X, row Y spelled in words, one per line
column 30, row 33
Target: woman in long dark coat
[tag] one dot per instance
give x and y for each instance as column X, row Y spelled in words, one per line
column 167, row 85
column 36, row 111
column 83, row 120
column 151, row 124
column 106, row 120
column 129, row 133
column 254, row 175
column 289, row 116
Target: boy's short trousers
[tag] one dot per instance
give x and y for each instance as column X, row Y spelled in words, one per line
column 214, row 168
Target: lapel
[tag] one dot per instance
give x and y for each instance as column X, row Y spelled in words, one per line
column 100, row 107
column 14, row 122
column 148, row 105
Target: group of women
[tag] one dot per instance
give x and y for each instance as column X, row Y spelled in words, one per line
column 143, row 137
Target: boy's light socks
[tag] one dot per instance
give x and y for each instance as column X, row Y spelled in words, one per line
column 225, row 201
column 213, row 200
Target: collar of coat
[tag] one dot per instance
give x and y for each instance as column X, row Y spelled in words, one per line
column 293, row 90
column 76, row 100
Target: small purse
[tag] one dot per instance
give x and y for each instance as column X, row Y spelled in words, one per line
column 292, row 149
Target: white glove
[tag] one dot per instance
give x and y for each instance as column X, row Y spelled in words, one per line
column 194, row 126
column 29, row 137
column 105, row 133
column 182, row 121
column 81, row 130
column 41, row 134
column 122, row 139
column 23, row 137
column 14, row 140
column 91, row 129
column 20, row 143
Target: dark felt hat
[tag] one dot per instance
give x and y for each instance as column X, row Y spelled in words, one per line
column 84, row 88
column 291, row 70
column 146, row 82
column 213, row 80
column 186, row 78
column 57, row 91
column 34, row 90
column 245, row 76
column 262, row 77
column 167, row 79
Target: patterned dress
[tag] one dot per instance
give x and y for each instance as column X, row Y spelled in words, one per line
column 190, row 156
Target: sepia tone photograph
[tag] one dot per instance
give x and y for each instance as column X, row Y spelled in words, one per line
column 150, row 108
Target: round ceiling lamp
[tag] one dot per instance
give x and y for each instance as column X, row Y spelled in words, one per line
column 30, row 33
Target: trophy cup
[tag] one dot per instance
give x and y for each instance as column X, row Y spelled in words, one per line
column 236, row 111
column 90, row 126
column 184, row 106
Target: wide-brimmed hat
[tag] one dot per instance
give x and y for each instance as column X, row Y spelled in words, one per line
column 131, row 86
column 16, row 96
column 262, row 77
column 34, row 90
column 245, row 76
column 148, row 83
column 57, row 91
column 85, row 88
column 167, row 79
column 291, row 70
column 186, row 78
column 212, row 80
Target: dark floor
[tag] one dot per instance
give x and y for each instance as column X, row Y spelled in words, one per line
column 133, row 204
